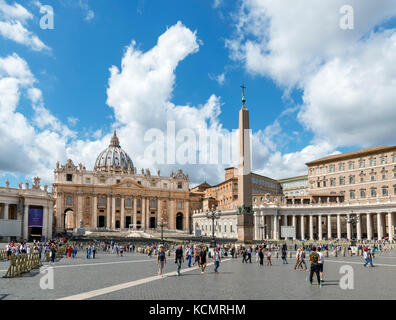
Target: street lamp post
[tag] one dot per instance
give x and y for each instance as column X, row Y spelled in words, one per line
column 162, row 224
column 352, row 220
column 213, row 214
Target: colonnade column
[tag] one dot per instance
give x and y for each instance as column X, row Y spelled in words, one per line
column 390, row 226
column 380, row 228
column 256, row 225
column 329, row 236
column 108, row 218
column 113, row 212
column 302, row 227
column 311, row 234
column 50, row 221
column 369, row 227
column 320, row 231
column 187, row 211
column 134, row 213
column 358, row 227
column 95, row 211
column 59, row 212
column 294, row 224
column 122, row 224
column 143, row 204
column 25, row 221
column 6, row 210
column 276, row 225
column 338, row 226
column 349, row 231
column 44, row 231
column 79, row 211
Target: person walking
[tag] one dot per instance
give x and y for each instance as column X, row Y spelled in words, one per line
column 196, row 254
column 297, row 259
column 261, row 257
column 244, row 255
column 179, row 258
column 302, row 260
column 367, row 257
column 53, row 253
column 320, row 264
column 93, row 251
column 268, row 254
column 161, row 260
column 284, row 252
column 314, row 258
column 217, row 259
column 249, row 254
column 202, row 259
column 189, row 255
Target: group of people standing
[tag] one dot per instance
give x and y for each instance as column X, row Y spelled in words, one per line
column 200, row 253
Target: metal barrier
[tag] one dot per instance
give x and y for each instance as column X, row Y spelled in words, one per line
column 23, row 263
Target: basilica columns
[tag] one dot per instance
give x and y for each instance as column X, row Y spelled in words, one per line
column 25, row 221
column 338, row 226
column 369, row 227
column 302, row 226
column 276, row 227
column 59, row 212
column 144, row 213
column 294, row 224
column 358, row 227
column 122, row 224
column 320, row 235
column 390, row 226
column 329, row 235
column 349, row 227
column 380, row 226
column 108, row 218
column 6, row 209
column 311, row 231
column 95, row 211
column 113, row 201
column 134, row 222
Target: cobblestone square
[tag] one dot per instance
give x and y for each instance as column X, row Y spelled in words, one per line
column 134, row 277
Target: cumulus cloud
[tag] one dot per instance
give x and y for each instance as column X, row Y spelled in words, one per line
column 347, row 76
column 30, row 147
column 13, row 26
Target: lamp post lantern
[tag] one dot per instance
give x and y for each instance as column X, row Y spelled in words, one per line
column 213, row 214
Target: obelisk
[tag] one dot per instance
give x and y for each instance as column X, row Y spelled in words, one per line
column 245, row 226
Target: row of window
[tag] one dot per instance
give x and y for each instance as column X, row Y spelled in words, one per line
column 264, row 183
column 351, row 165
column 69, row 178
column 351, row 180
column 217, row 228
column 373, row 192
column 128, row 202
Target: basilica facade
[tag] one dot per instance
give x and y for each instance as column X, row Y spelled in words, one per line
column 115, row 196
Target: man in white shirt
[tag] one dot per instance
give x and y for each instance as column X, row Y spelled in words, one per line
column 320, row 263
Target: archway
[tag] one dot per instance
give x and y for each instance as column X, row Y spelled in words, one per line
column 69, row 219
column 179, row 221
column 117, row 224
column 138, row 224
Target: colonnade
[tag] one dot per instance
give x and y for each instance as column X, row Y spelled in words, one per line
column 320, row 226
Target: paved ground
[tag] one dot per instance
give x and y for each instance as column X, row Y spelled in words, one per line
column 134, row 277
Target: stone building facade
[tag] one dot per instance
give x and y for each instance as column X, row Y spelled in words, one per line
column 26, row 213
column 115, row 196
column 350, row 195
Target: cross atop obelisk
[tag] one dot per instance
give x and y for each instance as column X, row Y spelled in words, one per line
column 243, row 95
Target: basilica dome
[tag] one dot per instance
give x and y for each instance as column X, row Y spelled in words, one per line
column 114, row 158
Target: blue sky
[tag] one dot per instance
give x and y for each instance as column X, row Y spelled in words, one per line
column 306, row 83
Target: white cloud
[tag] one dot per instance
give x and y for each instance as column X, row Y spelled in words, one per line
column 217, row 3
column 13, row 21
column 347, row 76
column 30, row 147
